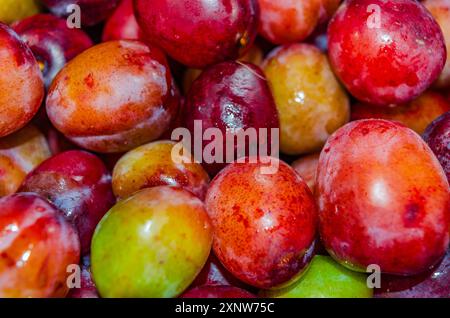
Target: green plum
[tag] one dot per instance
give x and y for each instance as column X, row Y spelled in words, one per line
column 151, row 245
column 325, row 279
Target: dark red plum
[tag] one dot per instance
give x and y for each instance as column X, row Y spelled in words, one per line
column 79, row 184
column 230, row 96
column 87, row 286
column 437, row 136
column 52, row 42
column 92, row 11
column 199, row 33
column 122, row 24
column 217, row 292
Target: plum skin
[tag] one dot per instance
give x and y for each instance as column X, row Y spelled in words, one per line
column 217, row 292
column 199, row 33
column 378, row 183
column 390, row 63
column 122, row 24
column 251, row 211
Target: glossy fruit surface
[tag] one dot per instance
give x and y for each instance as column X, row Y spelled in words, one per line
column 92, row 11
column 265, row 223
column 217, row 292
column 113, row 97
column 20, row 153
column 383, row 199
column 79, row 184
column 311, row 104
column 417, row 114
column 122, row 24
column 437, row 136
column 152, row 165
column 440, row 9
column 288, row 21
column 52, row 42
column 199, row 33
column 37, row 246
column 385, row 52
column 13, row 10
column 230, row 96
column 325, row 279
column 21, row 86
column 306, row 167
column 151, row 245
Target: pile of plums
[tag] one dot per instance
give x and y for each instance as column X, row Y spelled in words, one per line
column 350, row 199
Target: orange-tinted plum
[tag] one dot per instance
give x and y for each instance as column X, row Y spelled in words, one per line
column 53, row 43
column 79, row 184
column 437, row 136
column 122, row 24
column 306, row 167
column 265, row 223
column 20, row 153
column 199, row 33
column 38, row 245
column 385, row 52
column 21, row 85
column 417, row 114
column 113, row 97
column 383, row 199
column 288, row 21
column 230, row 96
column 92, row 11
column 217, row 292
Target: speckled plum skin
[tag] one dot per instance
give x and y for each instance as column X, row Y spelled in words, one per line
column 122, row 24
column 386, row 56
column 217, row 292
column 79, row 184
column 416, row 115
column 21, row 85
column 231, row 95
column 383, row 199
column 151, row 165
column 265, row 224
column 151, row 245
column 92, row 11
column 20, row 153
column 199, row 33
column 37, row 246
column 113, row 97
column 52, row 42
column 437, row 136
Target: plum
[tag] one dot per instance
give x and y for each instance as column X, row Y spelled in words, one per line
column 87, row 287
column 385, row 51
column 38, row 245
column 199, row 33
column 152, row 244
column 265, row 223
column 53, row 43
column 306, row 167
column 113, row 97
column 217, row 292
column 122, row 24
column 311, row 104
column 21, row 85
column 79, row 184
column 383, row 199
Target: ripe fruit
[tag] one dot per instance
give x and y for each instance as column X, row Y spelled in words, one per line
column 265, row 223
column 87, row 287
column 325, row 279
column 417, row 114
column 113, row 97
column 151, row 245
column 217, row 292
column 306, row 167
column 21, row 86
column 385, row 52
column 152, row 165
column 383, row 199
column 122, row 24
column 437, row 136
column 38, row 245
column 310, row 102
column 199, row 33
column 52, row 42
column 79, row 184
column 13, row 10
column 20, row 153
column 230, row 96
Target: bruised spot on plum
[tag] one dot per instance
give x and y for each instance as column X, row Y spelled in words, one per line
column 89, row 80
column 413, row 214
